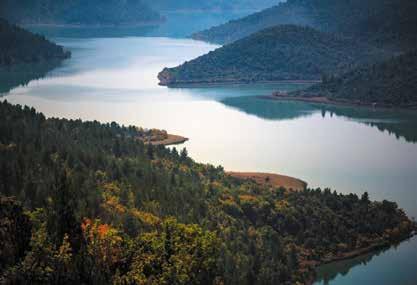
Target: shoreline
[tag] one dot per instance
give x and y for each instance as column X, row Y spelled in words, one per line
column 352, row 254
column 271, row 180
column 233, row 83
column 170, row 140
column 326, row 101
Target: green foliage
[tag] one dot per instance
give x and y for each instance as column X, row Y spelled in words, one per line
column 106, row 209
column 280, row 53
column 78, row 12
column 15, row 228
column 18, row 46
column 174, row 254
column 391, row 83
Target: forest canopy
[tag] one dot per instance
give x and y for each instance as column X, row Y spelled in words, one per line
column 78, row 12
column 390, row 83
column 279, row 53
column 18, row 46
column 85, row 202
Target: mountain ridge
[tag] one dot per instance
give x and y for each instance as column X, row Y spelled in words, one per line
column 78, row 12
column 18, row 46
column 280, row 53
column 389, row 23
column 390, row 83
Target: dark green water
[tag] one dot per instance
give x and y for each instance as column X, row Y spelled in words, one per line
column 396, row 265
column 113, row 78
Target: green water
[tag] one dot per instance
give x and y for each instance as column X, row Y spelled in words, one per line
column 396, row 265
column 348, row 149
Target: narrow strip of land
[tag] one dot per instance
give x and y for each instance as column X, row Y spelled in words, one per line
column 169, row 140
column 271, row 180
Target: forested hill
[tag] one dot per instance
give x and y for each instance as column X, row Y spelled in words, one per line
column 78, row 12
column 275, row 54
column 391, row 83
column 94, row 205
column 390, row 23
column 18, row 46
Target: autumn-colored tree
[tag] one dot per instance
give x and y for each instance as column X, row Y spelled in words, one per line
column 176, row 254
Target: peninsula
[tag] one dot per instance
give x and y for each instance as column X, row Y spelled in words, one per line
column 92, row 202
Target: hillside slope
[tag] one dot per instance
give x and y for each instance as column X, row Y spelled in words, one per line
column 18, row 46
column 275, row 54
column 390, row 23
column 93, row 205
column 391, row 83
column 78, row 12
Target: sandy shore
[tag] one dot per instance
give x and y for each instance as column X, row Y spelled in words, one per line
column 271, row 180
column 170, row 140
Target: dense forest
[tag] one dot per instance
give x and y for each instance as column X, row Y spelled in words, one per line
column 390, row 23
column 390, row 83
column 18, row 46
column 284, row 52
column 78, row 12
column 90, row 203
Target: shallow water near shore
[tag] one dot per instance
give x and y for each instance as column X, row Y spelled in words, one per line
column 395, row 265
column 347, row 149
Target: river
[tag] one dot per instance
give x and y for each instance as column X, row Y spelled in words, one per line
column 112, row 77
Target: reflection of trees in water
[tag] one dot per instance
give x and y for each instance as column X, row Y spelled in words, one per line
column 401, row 123
column 268, row 109
column 21, row 75
column 329, row 272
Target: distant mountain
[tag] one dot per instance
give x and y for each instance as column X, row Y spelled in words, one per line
column 280, row 53
column 217, row 5
column 383, row 22
column 391, row 83
column 78, row 12
column 18, row 46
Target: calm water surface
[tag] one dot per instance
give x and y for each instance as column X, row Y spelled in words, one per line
column 350, row 150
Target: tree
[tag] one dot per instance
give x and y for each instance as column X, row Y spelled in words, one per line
column 61, row 212
column 184, row 154
column 365, row 198
column 15, row 232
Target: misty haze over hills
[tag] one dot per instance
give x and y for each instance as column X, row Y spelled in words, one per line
column 217, row 5
column 78, row 12
column 113, row 12
column 262, row 47
column 383, row 22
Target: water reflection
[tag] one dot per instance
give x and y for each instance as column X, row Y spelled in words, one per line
column 373, row 268
column 329, row 272
column 21, row 75
column 401, row 123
